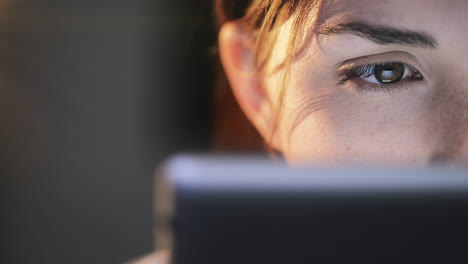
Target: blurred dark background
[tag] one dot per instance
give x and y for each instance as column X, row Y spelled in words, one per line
column 94, row 94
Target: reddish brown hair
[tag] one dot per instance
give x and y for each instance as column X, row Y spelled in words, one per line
column 262, row 18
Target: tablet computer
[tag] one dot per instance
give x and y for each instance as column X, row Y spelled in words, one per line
column 251, row 210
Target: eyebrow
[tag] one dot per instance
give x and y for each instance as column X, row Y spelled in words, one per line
column 383, row 35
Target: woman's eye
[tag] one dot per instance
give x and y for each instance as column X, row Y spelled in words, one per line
column 386, row 73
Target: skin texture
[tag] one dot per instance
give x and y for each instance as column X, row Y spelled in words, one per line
column 409, row 123
column 415, row 123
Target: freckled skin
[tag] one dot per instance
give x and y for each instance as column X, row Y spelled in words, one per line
column 451, row 122
column 420, row 124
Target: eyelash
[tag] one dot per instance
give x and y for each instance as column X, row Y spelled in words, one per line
column 356, row 74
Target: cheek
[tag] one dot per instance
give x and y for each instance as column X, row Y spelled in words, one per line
column 363, row 131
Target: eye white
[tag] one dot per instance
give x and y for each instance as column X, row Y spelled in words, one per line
column 371, row 78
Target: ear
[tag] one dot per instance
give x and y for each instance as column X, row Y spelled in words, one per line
column 237, row 51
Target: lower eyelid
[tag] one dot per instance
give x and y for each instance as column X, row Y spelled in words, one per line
column 360, row 86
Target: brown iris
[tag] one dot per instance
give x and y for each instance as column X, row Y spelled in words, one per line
column 389, row 72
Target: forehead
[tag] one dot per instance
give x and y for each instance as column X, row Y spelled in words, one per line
column 446, row 20
column 417, row 12
column 377, row 8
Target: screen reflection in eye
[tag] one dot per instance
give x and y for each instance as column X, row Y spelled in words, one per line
column 379, row 75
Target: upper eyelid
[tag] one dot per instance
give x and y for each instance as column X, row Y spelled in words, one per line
column 375, row 64
column 392, row 56
column 350, row 67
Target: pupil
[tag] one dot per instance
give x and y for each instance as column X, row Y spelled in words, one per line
column 389, row 72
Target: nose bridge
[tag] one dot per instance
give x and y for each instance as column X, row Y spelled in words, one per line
column 450, row 101
column 457, row 128
column 464, row 129
column 451, row 108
